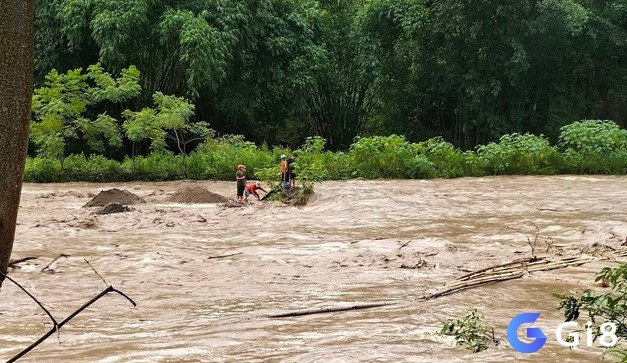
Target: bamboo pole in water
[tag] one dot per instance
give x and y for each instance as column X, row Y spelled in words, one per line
column 497, row 273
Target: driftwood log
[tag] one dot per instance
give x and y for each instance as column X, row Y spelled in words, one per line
column 497, row 273
column 14, row 263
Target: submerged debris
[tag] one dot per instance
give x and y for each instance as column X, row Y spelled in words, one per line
column 292, row 196
column 113, row 208
column 233, row 204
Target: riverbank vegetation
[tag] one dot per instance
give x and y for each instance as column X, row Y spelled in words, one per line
column 583, row 147
column 150, row 90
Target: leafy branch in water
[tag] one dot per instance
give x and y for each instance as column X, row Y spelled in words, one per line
column 472, row 332
column 610, row 306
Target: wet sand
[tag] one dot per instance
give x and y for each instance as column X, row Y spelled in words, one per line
column 351, row 244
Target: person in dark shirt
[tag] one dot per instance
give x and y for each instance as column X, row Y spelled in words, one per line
column 290, row 170
column 240, row 178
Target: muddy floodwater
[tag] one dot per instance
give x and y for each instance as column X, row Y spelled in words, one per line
column 206, row 277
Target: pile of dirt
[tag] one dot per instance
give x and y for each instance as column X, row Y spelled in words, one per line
column 115, row 195
column 196, row 195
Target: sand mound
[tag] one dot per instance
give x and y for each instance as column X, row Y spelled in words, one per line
column 114, row 196
column 196, row 195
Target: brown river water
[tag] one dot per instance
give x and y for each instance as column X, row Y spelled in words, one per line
column 346, row 246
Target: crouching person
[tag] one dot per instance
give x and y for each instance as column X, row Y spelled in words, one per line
column 252, row 189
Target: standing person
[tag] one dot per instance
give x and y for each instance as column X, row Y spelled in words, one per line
column 240, row 178
column 290, row 170
column 252, row 189
column 285, row 176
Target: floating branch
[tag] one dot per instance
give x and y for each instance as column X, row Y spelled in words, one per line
column 532, row 245
column 223, row 256
column 96, row 272
column 66, row 320
column 330, row 310
column 13, row 263
column 53, row 261
column 497, row 273
column 54, row 322
column 56, row 326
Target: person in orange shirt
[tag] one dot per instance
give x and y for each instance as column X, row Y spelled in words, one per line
column 252, row 189
column 285, row 175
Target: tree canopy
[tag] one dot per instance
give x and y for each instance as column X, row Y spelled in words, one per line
column 278, row 71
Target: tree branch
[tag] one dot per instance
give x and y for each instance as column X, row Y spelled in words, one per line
column 66, row 320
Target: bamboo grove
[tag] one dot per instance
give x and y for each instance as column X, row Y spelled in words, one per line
column 279, row 71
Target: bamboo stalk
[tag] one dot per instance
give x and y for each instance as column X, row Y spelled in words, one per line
column 224, row 256
column 500, row 268
column 329, row 310
column 456, row 283
column 512, row 266
column 453, row 289
column 493, row 267
column 503, row 272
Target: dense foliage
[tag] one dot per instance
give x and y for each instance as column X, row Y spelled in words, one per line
column 278, row 71
column 472, row 332
column 601, row 307
column 590, row 146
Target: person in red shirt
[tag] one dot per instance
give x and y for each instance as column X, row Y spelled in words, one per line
column 252, row 189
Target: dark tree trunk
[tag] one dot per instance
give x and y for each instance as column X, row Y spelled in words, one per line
column 16, row 89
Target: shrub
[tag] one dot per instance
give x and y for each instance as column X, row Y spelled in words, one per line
column 43, row 170
column 594, row 146
column 448, row 161
column 96, row 168
column 519, row 154
column 589, row 146
column 380, row 157
column 610, row 306
column 472, row 332
column 220, row 157
column 157, row 166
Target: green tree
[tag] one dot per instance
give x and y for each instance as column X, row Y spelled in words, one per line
column 60, row 105
column 180, row 47
column 169, row 120
column 473, row 70
column 237, row 59
column 278, row 57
